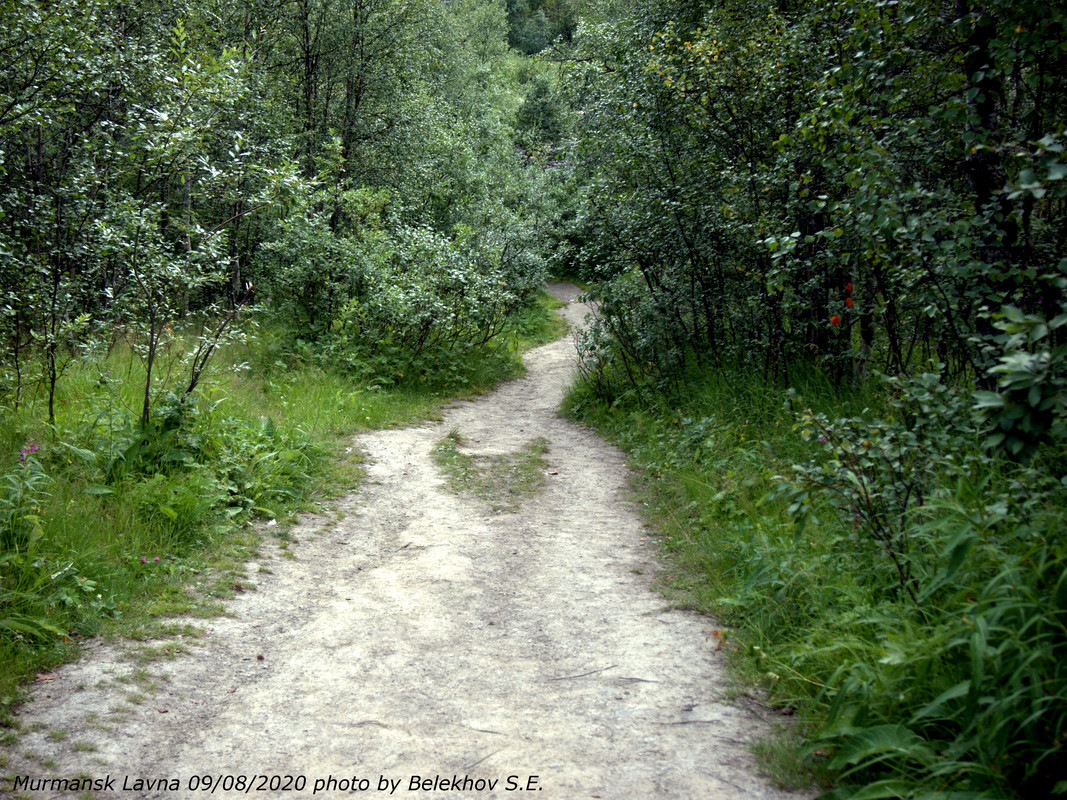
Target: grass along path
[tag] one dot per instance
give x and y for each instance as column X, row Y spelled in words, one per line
column 124, row 537
column 417, row 631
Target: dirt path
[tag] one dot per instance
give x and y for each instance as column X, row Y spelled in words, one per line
column 421, row 635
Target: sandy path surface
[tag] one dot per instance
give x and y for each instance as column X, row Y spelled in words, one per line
column 422, row 646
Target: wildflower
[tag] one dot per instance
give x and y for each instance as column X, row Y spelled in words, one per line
column 848, row 288
column 28, row 450
column 144, row 560
column 156, row 558
column 849, row 302
column 822, row 440
column 835, row 320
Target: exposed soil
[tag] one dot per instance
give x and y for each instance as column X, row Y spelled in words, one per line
column 421, row 634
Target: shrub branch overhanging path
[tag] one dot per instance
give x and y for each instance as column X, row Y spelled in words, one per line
column 422, row 634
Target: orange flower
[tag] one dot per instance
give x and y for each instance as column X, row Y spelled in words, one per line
column 848, row 287
column 835, row 320
column 849, row 302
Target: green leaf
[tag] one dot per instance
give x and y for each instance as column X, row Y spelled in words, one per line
column 985, row 399
column 31, row 626
column 1027, row 179
column 85, row 455
column 890, row 788
column 879, row 743
column 936, row 707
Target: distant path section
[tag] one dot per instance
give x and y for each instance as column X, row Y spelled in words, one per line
column 422, row 646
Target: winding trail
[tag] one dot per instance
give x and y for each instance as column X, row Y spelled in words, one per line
column 421, row 635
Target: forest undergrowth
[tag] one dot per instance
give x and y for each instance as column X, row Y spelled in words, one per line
column 827, row 246
column 897, row 594
column 110, row 528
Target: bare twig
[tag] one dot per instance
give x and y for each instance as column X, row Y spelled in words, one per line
column 591, row 672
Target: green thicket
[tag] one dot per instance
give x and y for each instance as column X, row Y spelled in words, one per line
column 230, row 232
column 828, row 242
column 534, row 25
column 351, row 164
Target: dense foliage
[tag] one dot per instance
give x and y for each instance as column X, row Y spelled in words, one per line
column 353, row 176
column 829, row 248
column 866, row 197
column 162, row 165
column 860, row 186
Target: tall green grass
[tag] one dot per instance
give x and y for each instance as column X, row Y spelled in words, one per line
column 950, row 681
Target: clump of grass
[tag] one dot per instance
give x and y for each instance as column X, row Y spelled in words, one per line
column 787, row 758
column 503, row 481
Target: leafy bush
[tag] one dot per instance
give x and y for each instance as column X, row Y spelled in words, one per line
column 386, row 298
column 191, row 463
column 876, row 473
column 957, row 688
column 1029, row 408
column 317, row 260
column 539, row 116
column 435, row 291
column 636, row 338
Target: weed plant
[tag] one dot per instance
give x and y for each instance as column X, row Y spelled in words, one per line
column 894, row 587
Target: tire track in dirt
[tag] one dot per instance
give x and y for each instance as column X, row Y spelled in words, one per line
column 421, row 635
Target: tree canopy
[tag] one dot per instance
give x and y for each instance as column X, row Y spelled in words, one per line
column 167, row 163
column 853, row 186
